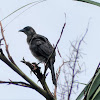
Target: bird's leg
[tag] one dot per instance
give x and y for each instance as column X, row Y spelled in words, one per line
column 45, row 69
column 38, row 63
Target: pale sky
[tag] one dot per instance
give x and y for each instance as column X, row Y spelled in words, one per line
column 47, row 18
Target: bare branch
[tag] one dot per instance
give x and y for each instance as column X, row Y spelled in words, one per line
column 23, row 84
column 36, row 70
column 54, row 48
column 10, row 58
column 23, row 75
column 74, row 65
column 59, row 52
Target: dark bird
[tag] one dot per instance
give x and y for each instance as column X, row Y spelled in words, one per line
column 41, row 49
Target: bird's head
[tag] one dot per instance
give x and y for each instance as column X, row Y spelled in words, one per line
column 29, row 31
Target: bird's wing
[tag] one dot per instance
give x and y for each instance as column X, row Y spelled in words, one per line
column 43, row 45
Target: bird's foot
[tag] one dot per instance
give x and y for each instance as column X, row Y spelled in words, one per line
column 39, row 62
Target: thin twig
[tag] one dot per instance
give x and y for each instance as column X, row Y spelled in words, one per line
column 57, row 76
column 10, row 58
column 74, row 65
column 23, row 84
column 54, row 48
column 59, row 52
column 3, row 34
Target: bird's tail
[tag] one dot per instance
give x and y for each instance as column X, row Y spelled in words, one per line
column 53, row 74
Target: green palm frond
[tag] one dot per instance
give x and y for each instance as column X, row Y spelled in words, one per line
column 35, row 2
column 90, row 2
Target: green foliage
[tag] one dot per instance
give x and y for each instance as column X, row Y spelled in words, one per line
column 92, row 90
column 90, row 2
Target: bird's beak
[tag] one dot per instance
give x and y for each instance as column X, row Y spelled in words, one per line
column 22, row 30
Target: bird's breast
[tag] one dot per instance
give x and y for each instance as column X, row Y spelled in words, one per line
column 35, row 52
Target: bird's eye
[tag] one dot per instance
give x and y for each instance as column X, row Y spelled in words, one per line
column 26, row 28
